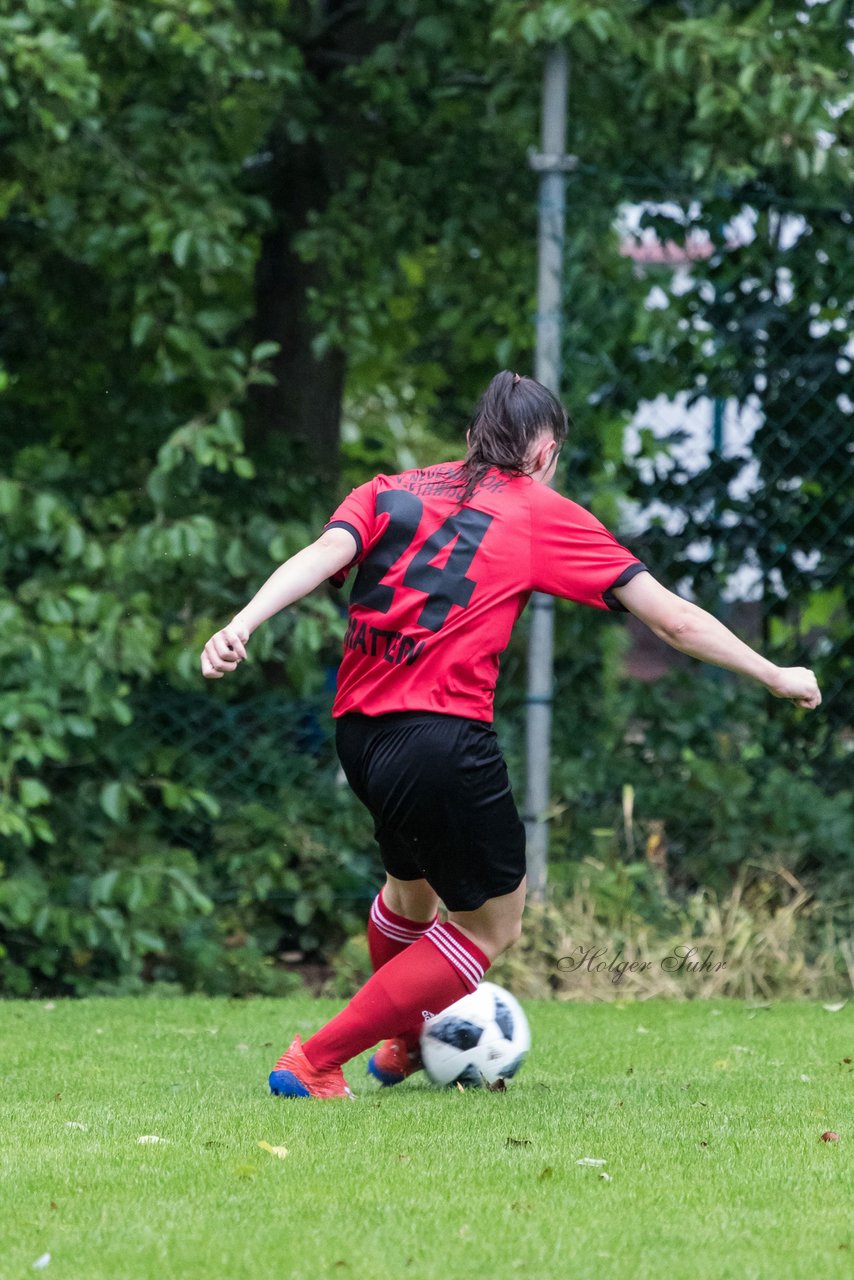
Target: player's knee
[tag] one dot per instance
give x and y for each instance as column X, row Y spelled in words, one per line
column 512, row 934
column 502, row 938
column 414, row 899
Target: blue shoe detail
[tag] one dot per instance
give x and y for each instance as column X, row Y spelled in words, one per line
column 384, row 1077
column 284, row 1084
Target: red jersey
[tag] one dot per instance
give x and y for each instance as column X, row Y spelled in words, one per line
column 440, row 585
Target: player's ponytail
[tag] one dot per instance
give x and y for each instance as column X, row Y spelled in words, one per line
column 511, row 414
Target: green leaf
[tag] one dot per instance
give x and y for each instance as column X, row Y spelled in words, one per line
column 265, row 351
column 74, row 542
column 145, row 940
column 181, row 247
column 33, row 793
column 175, row 796
column 159, row 487
column 599, row 22
column 114, row 801
column 102, row 887
column 433, row 31
column 142, row 323
column 9, row 497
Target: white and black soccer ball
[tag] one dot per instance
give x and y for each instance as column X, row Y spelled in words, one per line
column 480, row 1039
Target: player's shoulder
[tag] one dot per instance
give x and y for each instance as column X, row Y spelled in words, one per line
column 549, row 505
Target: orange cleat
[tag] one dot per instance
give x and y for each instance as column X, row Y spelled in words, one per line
column 294, row 1077
column 395, row 1060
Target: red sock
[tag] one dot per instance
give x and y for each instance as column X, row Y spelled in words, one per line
column 422, row 980
column 389, row 934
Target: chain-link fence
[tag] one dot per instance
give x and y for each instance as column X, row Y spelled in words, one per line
column 709, row 349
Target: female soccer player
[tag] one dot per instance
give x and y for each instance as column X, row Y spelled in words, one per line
column 447, row 558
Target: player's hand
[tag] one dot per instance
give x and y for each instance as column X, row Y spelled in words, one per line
column 798, row 684
column 223, row 652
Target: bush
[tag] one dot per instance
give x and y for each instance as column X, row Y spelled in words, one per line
column 224, row 841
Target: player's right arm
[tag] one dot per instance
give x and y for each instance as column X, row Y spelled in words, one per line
column 333, row 551
column 690, row 629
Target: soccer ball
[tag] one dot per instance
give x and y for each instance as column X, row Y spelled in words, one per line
column 481, row 1039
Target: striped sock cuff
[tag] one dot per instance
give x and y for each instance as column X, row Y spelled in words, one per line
column 396, row 927
column 465, row 955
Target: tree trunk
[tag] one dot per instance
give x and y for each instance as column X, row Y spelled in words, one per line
column 305, row 402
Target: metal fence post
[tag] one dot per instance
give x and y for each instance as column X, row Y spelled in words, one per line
column 552, row 164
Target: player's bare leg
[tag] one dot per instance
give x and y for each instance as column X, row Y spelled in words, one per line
column 496, row 925
column 413, row 899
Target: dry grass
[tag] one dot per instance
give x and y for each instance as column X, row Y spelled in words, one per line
column 768, row 938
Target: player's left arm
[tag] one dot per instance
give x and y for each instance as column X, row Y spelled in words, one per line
column 333, row 550
column 690, row 629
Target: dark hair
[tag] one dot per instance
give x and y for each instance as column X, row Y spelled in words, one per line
column 512, row 412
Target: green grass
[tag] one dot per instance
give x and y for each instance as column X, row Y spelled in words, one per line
column 710, row 1132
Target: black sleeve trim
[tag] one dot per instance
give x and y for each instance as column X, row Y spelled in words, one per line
column 342, row 524
column 626, row 576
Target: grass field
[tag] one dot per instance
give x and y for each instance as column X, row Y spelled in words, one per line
column 709, row 1117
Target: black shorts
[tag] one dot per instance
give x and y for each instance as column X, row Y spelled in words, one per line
column 438, row 791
